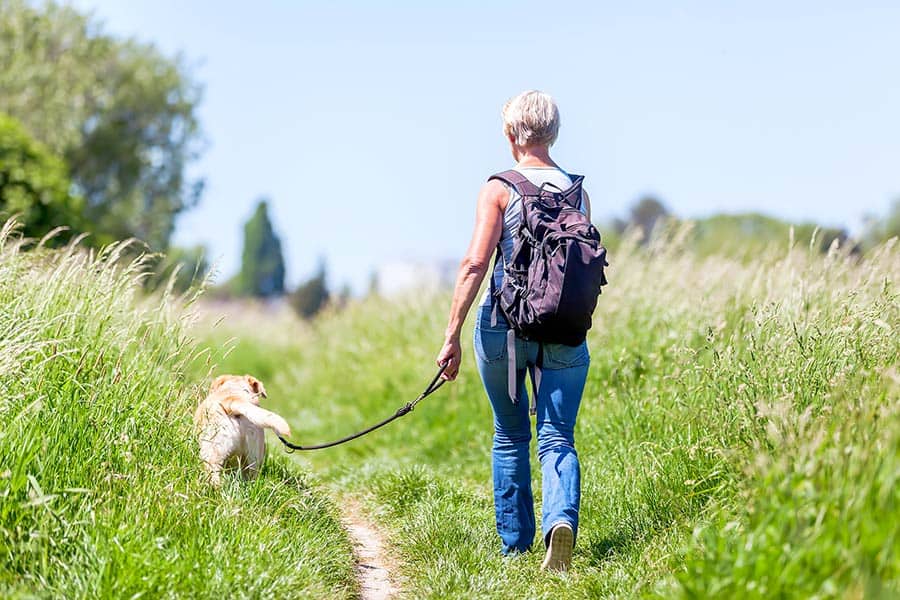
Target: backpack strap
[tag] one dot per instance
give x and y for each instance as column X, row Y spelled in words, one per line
column 576, row 183
column 517, row 181
column 494, row 302
column 523, row 187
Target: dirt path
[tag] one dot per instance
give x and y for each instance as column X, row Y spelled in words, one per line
column 373, row 565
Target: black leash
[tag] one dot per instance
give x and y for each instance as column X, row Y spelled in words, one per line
column 403, row 410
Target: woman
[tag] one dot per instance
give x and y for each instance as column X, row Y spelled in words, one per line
column 530, row 123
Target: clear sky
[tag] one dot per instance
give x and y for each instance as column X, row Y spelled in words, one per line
column 371, row 125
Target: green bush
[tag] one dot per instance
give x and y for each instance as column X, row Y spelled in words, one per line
column 311, row 296
column 34, row 185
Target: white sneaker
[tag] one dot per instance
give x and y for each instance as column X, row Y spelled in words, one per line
column 559, row 550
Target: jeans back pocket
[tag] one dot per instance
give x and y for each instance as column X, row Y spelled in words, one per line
column 561, row 356
column 490, row 344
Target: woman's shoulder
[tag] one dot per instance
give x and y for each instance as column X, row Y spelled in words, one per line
column 494, row 188
column 494, row 192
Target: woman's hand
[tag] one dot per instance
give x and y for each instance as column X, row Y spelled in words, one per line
column 450, row 355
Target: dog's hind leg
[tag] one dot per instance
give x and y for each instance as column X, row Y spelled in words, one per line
column 250, row 471
column 212, row 462
column 215, row 476
column 253, row 461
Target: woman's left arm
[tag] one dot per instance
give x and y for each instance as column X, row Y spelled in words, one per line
column 488, row 227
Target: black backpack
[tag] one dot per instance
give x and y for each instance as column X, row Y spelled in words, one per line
column 552, row 279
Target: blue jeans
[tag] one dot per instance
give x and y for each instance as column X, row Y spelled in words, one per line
column 562, row 384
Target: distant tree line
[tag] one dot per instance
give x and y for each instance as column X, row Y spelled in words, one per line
column 879, row 229
column 748, row 233
column 741, row 235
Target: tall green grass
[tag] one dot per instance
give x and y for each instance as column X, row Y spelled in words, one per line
column 101, row 493
column 738, row 436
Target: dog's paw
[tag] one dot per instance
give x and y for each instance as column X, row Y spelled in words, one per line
column 281, row 426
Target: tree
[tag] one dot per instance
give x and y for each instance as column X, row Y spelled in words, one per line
column 880, row 230
column 344, row 296
column 311, row 296
column 121, row 114
column 646, row 213
column 34, row 185
column 373, row 284
column 262, row 265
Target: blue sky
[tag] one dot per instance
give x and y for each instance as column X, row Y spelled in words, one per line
column 371, row 126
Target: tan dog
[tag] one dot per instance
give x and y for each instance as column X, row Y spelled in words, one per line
column 230, row 425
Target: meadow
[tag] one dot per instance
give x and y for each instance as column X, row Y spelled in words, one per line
column 739, row 437
column 739, row 433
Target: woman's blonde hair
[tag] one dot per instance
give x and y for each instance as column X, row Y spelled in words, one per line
column 531, row 119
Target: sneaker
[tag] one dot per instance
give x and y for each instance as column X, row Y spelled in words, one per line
column 559, row 550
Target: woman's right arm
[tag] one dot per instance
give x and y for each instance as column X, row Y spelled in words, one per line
column 488, row 227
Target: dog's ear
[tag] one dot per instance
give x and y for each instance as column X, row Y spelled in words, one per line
column 217, row 382
column 256, row 385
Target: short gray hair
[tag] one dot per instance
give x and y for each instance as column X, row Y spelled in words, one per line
column 531, row 119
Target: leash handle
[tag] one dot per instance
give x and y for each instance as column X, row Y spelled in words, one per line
column 407, row 408
column 436, row 383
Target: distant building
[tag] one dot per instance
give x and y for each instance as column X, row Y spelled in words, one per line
column 402, row 277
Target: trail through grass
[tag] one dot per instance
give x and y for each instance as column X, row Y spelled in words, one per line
column 376, row 569
column 738, row 436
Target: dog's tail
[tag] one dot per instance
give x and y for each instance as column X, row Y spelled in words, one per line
column 261, row 417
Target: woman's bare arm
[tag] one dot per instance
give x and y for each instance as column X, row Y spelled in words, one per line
column 488, row 226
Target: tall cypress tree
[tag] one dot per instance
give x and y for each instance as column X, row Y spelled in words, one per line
column 262, row 265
